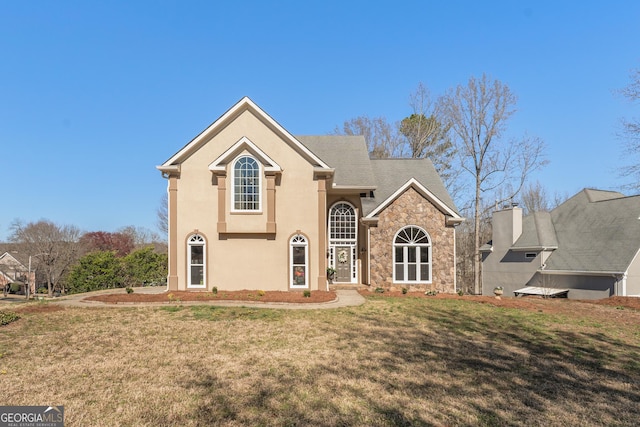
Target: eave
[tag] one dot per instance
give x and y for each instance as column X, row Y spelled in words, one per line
column 533, row 248
column 582, row 273
column 245, row 104
column 168, row 170
column 413, row 183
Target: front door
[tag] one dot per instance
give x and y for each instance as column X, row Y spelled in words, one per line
column 343, row 264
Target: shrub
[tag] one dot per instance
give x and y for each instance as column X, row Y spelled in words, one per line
column 42, row 290
column 306, row 294
column 7, row 317
column 144, row 266
column 261, row 293
column 214, row 290
column 404, row 291
column 95, row 271
column 460, row 292
column 431, row 293
column 14, row 288
column 379, row 290
column 129, row 290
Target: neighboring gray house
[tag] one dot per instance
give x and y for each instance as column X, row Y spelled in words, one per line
column 587, row 246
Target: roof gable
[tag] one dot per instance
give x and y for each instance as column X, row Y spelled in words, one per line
column 219, row 164
column 10, row 260
column 245, row 104
column 394, row 174
column 422, row 190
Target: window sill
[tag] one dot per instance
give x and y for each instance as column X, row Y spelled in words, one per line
column 246, row 213
column 414, row 282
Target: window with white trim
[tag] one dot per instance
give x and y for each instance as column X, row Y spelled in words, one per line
column 343, row 232
column 299, row 260
column 246, row 184
column 342, row 223
column 412, row 256
column 196, row 262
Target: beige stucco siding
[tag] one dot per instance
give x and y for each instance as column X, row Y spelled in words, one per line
column 247, row 256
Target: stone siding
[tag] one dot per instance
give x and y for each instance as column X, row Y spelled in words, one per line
column 413, row 209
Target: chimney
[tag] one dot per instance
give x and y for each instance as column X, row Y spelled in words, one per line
column 507, row 226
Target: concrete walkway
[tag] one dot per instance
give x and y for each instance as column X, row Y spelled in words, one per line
column 345, row 298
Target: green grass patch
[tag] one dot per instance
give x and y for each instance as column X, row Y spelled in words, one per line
column 210, row 312
column 7, row 317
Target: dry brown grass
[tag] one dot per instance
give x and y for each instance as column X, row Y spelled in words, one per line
column 390, row 362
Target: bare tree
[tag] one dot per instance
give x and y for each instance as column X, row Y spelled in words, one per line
column 426, row 132
column 52, row 247
column 478, row 113
column 535, row 198
column 425, row 129
column 162, row 215
column 381, row 136
column 631, row 132
column 141, row 236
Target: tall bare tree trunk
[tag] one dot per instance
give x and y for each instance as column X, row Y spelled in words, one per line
column 476, row 241
column 477, row 115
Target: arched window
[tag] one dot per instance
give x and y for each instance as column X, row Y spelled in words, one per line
column 342, row 219
column 343, row 240
column 412, row 256
column 196, row 262
column 299, row 260
column 246, row 184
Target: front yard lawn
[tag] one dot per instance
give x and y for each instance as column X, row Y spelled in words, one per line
column 393, row 361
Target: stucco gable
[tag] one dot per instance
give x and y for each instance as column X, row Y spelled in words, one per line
column 244, row 144
column 245, row 104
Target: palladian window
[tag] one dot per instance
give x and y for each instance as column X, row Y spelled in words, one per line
column 412, row 256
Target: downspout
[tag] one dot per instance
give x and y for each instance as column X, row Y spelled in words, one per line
column 455, row 263
column 368, row 256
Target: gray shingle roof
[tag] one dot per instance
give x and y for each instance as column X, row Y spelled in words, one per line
column 391, row 174
column 350, row 158
column 347, row 154
column 537, row 232
column 597, row 231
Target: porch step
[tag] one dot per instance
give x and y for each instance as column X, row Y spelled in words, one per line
column 345, row 286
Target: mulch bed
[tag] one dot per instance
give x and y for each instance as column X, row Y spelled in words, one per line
column 248, row 296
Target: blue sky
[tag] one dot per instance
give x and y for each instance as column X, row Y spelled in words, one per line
column 95, row 94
